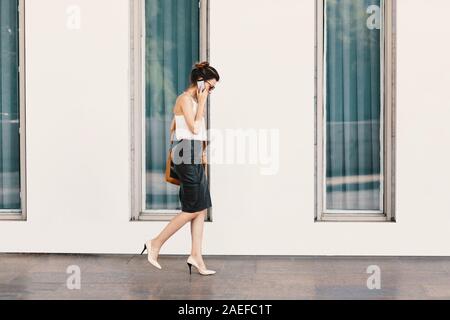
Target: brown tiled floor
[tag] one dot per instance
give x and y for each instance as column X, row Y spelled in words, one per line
column 25, row 276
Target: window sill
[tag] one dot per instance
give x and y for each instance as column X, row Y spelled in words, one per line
column 355, row 218
column 13, row 217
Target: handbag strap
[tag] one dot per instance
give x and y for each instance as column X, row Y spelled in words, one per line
column 172, row 131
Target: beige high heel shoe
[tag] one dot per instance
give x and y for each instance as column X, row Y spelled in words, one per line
column 205, row 272
column 148, row 247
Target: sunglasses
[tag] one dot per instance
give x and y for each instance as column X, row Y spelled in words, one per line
column 211, row 87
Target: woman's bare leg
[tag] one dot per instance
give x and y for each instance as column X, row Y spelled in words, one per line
column 173, row 226
column 197, row 237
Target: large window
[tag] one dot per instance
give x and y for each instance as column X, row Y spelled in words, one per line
column 169, row 37
column 12, row 180
column 355, row 108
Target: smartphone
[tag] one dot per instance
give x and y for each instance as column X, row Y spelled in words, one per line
column 201, row 85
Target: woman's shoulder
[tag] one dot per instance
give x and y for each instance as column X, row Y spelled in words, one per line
column 184, row 99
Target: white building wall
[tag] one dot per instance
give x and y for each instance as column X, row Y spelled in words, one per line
column 78, row 146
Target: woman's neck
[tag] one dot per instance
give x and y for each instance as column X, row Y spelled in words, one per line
column 192, row 91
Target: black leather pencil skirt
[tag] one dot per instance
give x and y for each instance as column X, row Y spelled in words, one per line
column 194, row 190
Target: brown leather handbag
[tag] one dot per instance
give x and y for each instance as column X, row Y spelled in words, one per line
column 171, row 175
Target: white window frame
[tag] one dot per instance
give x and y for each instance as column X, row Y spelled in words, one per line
column 20, row 214
column 137, row 14
column 388, row 92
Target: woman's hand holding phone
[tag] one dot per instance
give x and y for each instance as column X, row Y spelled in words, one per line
column 200, row 85
column 202, row 93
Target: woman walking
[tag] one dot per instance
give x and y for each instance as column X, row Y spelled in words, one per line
column 189, row 133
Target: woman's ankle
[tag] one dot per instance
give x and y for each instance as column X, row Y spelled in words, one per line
column 156, row 243
column 197, row 256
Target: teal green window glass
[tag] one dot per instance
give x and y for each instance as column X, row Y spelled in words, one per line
column 172, row 29
column 354, row 108
column 9, row 107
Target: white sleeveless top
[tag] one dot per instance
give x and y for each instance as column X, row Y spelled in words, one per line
column 182, row 130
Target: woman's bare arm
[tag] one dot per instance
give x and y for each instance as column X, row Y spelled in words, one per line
column 188, row 112
column 172, row 125
column 193, row 120
column 202, row 97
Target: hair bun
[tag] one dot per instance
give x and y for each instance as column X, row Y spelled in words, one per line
column 202, row 65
